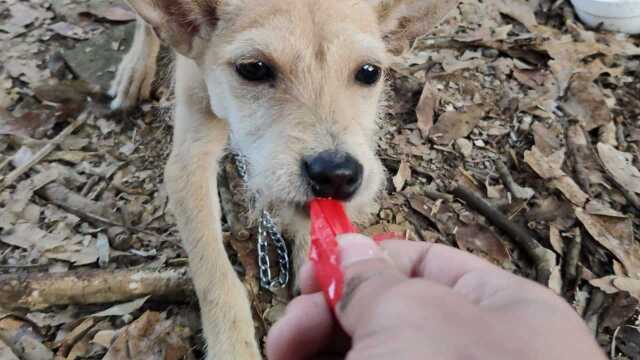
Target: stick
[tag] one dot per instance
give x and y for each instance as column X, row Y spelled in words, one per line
column 82, row 207
column 41, row 290
column 578, row 148
column 516, row 190
column 572, row 258
column 543, row 258
column 46, row 150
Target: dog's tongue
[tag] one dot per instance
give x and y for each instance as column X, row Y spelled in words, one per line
column 328, row 220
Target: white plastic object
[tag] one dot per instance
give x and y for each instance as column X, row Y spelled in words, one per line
column 614, row 15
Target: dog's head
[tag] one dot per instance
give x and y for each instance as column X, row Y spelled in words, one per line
column 300, row 83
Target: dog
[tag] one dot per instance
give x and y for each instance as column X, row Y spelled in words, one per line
column 297, row 86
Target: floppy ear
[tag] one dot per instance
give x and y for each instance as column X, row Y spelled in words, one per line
column 179, row 23
column 402, row 21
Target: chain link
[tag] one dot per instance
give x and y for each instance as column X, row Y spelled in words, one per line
column 267, row 230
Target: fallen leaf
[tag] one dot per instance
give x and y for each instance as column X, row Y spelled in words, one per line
column 74, row 91
column 426, row 109
column 478, row 238
column 605, row 284
column 555, row 280
column 453, row 125
column 69, row 30
column 632, row 286
column 557, row 243
column 596, row 207
column 25, row 189
column 122, row 309
column 519, row 10
column 26, row 343
column 616, row 235
column 29, row 236
column 6, row 353
column 403, row 175
column 66, row 343
column 150, row 337
column 621, row 309
column 547, row 139
column 550, row 170
column 620, row 166
column 114, row 13
column 54, row 318
column 586, row 102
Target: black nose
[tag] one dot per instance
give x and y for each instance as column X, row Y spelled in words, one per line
column 333, row 174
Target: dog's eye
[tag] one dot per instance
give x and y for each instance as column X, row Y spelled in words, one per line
column 368, row 74
column 255, row 71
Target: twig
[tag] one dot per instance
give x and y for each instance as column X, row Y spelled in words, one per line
column 543, row 258
column 46, row 150
column 592, row 313
column 516, row 190
column 5, row 162
column 41, row 290
column 572, row 258
column 578, row 148
column 82, row 207
column 437, row 195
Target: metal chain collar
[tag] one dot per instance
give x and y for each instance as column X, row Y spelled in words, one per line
column 267, row 230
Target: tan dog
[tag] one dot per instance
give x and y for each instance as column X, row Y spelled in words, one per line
column 297, row 87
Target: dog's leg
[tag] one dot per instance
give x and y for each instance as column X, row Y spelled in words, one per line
column 137, row 69
column 191, row 177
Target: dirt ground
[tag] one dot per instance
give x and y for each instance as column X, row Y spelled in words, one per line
column 513, row 133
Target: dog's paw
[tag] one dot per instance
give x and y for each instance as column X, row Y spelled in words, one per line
column 134, row 78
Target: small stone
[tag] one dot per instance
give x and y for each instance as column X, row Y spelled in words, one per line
column 464, row 146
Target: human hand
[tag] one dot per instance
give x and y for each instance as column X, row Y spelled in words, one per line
column 415, row 300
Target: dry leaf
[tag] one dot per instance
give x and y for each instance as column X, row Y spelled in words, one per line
column 632, row 286
column 150, row 337
column 480, row 239
column 586, row 102
column 29, row 236
column 616, row 235
column 555, row 280
column 426, row 109
column 6, row 353
column 403, row 175
column 605, row 284
column 453, row 125
column 26, row 342
column 114, row 13
column 620, row 166
column 597, row 207
column 122, row 309
column 519, row 10
column 104, row 338
column 69, row 30
column 557, row 243
column 550, row 170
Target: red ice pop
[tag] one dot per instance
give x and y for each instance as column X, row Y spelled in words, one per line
column 328, row 220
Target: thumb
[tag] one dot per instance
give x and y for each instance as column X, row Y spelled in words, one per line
column 368, row 274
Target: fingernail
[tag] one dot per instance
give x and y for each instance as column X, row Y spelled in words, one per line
column 355, row 247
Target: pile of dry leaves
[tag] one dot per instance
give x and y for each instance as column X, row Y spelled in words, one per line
column 514, row 134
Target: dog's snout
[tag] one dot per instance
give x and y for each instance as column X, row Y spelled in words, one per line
column 333, row 174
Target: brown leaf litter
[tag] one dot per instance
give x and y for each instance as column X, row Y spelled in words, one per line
column 513, row 134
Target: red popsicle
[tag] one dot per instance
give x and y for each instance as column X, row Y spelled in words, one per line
column 328, row 220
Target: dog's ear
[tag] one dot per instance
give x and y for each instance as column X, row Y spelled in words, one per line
column 179, row 23
column 402, row 21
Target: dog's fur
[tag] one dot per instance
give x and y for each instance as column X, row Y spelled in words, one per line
column 316, row 47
